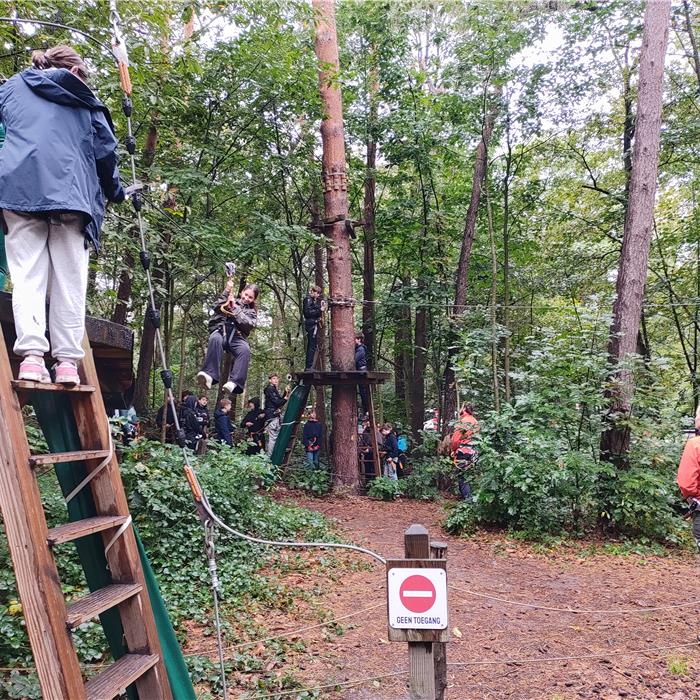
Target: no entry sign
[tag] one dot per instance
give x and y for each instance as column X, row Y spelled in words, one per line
column 417, row 598
column 417, row 593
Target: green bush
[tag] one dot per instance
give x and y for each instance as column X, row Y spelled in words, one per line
column 314, row 481
column 428, row 476
column 384, row 489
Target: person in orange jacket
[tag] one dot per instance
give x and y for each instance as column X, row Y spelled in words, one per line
column 462, row 448
column 688, row 478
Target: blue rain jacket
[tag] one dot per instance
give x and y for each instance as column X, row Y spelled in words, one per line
column 60, row 152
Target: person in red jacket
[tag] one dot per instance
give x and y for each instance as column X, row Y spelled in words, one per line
column 688, row 478
column 462, row 448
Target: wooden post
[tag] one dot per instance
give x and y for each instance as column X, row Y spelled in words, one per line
column 420, row 654
column 373, row 435
column 438, row 550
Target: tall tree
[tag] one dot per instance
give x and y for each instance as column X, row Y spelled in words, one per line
column 449, row 406
column 335, row 195
column 632, row 269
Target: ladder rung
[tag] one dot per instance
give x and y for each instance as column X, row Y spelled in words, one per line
column 21, row 385
column 98, row 601
column 119, row 675
column 81, row 528
column 56, row 457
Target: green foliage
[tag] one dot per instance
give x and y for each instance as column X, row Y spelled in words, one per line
column 428, row 476
column 461, row 518
column 314, row 481
column 384, row 489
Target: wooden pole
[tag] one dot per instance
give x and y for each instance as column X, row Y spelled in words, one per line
column 438, row 550
column 335, row 197
column 420, row 654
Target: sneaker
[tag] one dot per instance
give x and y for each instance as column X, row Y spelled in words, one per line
column 204, row 380
column 33, row 369
column 229, row 387
column 67, row 373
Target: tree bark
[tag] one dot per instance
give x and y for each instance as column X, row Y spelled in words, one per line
column 632, row 270
column 420, row 345
column 335, row 195
column 124, row 290
column 449, row 406
column 492, row 312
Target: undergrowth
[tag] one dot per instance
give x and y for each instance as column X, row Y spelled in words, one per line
column 162, row 507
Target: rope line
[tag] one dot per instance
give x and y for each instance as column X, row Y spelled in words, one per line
column 582, row 657
column 341, row 684
column 576, row 611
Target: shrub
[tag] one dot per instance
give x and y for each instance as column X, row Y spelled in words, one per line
column 384, row 489
column 314, row 481
column 428, row 476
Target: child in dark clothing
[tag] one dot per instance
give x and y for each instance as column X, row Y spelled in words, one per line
column 254, row 425
column 189, row 422
column 361, row 366
column 222, row 423
column 312, row 310
column 312, row 438
column 391, row 449
column 231, row 323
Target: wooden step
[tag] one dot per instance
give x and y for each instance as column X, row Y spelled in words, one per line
column 21, row 385
column 81, row 528
column 122, row 673
column 56, row 457
column 98, row 601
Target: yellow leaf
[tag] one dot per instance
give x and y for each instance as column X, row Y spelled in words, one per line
column 15, row 607
column 457, row 632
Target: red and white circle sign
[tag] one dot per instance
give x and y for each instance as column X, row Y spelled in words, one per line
column 417, row 594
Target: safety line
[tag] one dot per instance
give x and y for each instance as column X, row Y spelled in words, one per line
column 582, row 657
column 342, row 684
column 576, row 611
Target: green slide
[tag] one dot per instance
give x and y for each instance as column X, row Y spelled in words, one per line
column 58, row 425
column 292, row 415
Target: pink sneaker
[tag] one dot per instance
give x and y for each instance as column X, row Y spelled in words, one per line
column 33, row 369
column 67, row 373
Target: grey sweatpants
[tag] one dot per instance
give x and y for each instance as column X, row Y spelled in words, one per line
column 240, row 353
column 696, row 529
column 273, row 430
column 47, row 254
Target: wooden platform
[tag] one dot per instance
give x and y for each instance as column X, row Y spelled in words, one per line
column 112, row 346
column 350, row 378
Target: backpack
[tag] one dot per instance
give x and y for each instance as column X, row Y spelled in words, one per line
column 402, row 443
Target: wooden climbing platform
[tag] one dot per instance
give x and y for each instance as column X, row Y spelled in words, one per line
column 349, row 378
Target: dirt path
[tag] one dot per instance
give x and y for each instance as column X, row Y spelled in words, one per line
column 494, row 631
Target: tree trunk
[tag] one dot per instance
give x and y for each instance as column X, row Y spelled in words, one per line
column 449, row 406
column 335, row 195
column 632, row 270
column 368, row 323
column 494, row 289
column 124, row 290
column 693, row 42
column 417, row 390
column 506, row 268
column 321, row 347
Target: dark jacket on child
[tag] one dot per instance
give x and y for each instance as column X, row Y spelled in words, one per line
column 360, row 357
column 188, row 420
column 60, row 152
column 243, row 320
column 257, row 418
column 273, row 401
column 312, row 435
column 391, row 446
column 224, row 427
column 312, row 311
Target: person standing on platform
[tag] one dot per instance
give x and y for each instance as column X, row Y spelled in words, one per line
column 273, row 410
column 313, row 309
column 361, row 366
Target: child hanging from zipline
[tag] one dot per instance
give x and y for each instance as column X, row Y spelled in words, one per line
column 58, row 167
column 233, row 318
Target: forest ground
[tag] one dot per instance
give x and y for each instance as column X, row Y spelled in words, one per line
column 579, row 574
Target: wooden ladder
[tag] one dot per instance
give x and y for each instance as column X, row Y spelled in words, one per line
column 48, row 618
